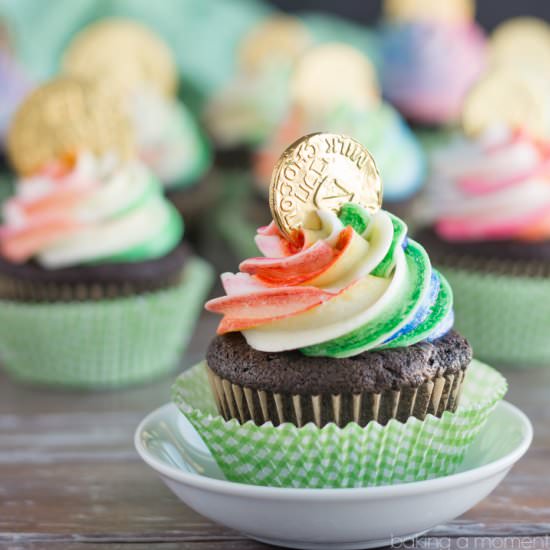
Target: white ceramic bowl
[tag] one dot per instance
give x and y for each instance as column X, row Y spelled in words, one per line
column 329, row 518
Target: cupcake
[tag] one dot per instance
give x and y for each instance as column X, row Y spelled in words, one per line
column 351, row 105
column 432, row 52
column 97, row 288
column 244, row 112
column 488, row 204
column 339, row 337
column 127, row 56
column 325, row 304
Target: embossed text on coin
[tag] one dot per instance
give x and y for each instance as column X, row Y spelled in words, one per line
column 322, row 171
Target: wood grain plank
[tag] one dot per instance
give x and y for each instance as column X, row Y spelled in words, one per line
column 423, row 543
column 70, row 478
column 239, row 544
column 109, row 498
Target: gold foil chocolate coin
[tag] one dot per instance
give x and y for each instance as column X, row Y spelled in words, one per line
column 321, row 171
column 281, row 37
column 511, row 98
column 62, row 117
column 122, row 53
column 441, row 10
column 521, row 41
column 331, row 75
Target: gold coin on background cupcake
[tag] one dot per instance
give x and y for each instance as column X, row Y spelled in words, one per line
column 321, row 171
column 442, row 10
column 125, row 53
column 65, row 116
column 331, row 75
column 511, row 98
column 520, row 41
column 278, row 37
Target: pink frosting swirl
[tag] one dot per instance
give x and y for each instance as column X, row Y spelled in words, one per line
column 495, row 187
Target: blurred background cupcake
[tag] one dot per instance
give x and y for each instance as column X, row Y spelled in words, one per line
column 488, row 200
column 245, row 117
column 97, row 286
column 233, row 72
column 340, row 324
column 129, row 57
column 350, row 104
column 242, row 114
column 432, row 52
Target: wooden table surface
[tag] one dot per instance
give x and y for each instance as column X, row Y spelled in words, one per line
column 70, row 478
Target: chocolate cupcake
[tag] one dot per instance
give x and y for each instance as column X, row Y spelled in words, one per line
column 92, row 254
column 418, row 380
column 32, row 282
column 241, row 115
column 355, row 347
column 336, row 363
column 344, row 319
column 487, row 209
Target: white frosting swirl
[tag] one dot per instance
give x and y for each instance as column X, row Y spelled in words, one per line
column 95, row 210
column 168, row 139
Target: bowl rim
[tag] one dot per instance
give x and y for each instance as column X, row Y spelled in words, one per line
column 363, row 493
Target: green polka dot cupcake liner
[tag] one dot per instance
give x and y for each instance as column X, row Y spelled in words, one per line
column 505, row 317
column 106, row 343
column 340, row 457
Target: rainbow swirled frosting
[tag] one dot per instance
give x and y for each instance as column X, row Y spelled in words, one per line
column 356, row 284
column 89, row 210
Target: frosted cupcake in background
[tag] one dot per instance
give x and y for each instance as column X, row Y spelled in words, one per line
column 432, row 52
column 97, row 288
column 348, row 103
column 488, row 200
column 242, row 114
column 340, row 336
column 128, row 57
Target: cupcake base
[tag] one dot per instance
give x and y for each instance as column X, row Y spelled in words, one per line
column 103, row 343
column 434, row 397
column 353, row 456
column 374, row 386
column 30, row 282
